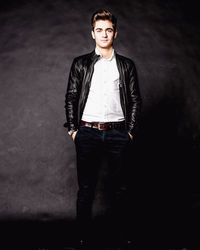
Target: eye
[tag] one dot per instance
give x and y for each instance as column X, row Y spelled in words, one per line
column 98, row 30
column 109, row 30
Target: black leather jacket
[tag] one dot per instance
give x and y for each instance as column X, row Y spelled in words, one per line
column 79, row 84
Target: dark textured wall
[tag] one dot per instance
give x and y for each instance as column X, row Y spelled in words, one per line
column 38, row 42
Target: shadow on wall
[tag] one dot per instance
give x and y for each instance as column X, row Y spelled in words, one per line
column 162, row 166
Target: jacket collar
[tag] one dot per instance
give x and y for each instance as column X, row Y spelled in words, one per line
column 94, row 56
column 109, row 59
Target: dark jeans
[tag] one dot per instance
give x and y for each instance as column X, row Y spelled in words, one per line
column 91, row 144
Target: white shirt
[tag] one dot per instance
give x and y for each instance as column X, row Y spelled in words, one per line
column 103, row 103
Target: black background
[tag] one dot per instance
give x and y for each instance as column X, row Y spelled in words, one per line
column 38, row 42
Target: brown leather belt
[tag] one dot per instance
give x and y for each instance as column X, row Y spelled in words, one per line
column 104, row 126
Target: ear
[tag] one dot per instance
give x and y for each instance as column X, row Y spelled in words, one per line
column 115, row 35
column 92, row 33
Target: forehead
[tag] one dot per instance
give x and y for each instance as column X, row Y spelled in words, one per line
column 103, row 24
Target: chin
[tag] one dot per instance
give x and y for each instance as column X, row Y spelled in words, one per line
column 105, row 45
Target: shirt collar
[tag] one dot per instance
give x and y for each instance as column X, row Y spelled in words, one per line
column 108, row 59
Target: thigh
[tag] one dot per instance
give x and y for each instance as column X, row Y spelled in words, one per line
column 87, row 143
column 116, row 146
column 88, row 149
column 117, row 143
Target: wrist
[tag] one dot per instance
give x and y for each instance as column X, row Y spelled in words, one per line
column 71, row 132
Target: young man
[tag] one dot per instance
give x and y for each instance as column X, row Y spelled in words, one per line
column 102, row 109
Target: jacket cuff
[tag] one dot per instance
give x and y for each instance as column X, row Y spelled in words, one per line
column 69, row 127
column 65, row 125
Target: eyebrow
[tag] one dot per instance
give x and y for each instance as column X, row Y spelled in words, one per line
column 102, row 29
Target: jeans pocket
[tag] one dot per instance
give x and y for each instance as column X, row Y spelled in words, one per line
column 128, row 136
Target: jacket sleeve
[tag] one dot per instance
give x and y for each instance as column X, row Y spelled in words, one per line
column 72, row 96
column 134, row 100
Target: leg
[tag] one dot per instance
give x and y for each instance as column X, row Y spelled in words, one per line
column 117, row 143
column 87, row 143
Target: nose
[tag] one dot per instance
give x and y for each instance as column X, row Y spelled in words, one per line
column 104, row 33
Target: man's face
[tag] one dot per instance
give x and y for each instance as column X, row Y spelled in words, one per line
column 104, row 34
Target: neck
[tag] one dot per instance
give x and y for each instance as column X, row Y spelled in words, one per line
column 105, row 52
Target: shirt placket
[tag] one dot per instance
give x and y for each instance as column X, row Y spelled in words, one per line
column 105, row 65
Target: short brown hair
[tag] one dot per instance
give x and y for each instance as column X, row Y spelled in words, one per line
column 103, row 14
